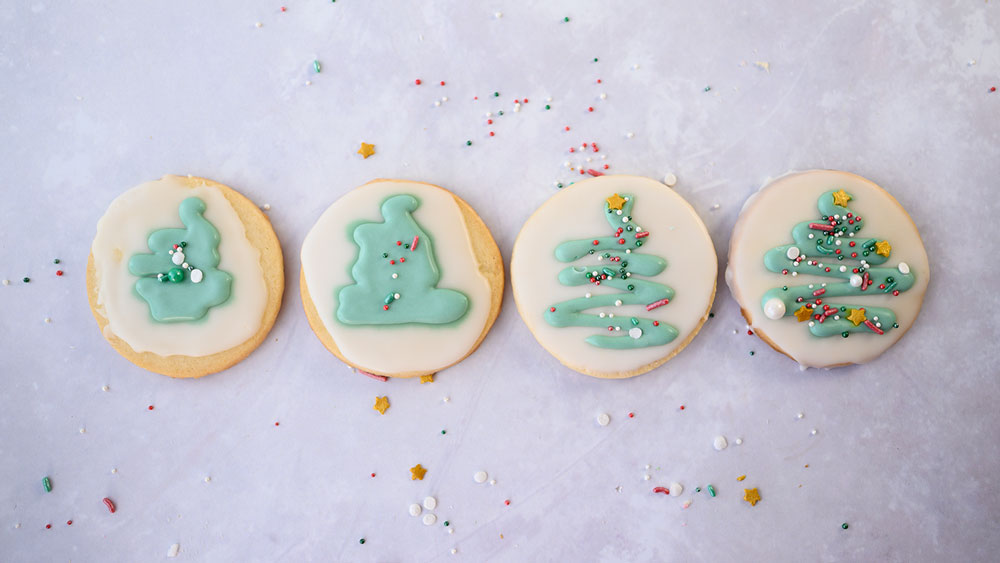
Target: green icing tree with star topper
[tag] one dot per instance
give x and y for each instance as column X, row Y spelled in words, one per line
column 618, row 262
column 833, row 247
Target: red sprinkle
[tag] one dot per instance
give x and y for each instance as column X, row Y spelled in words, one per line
column 993, row 88
column 656, row 304
column 596, row 242
column 642, row 234
column 277, row 424
column 48, row 526
column 385, row 307
column 631, row 415
column 590, row 109
column 820, row 227
column 373, row 474
column 663, row 490
column 399, row 243
column 567, row 127
column 284, row 9
column 656, row 323
column 491, row 133
column 151, row 407
column 593, row 172
column 69, row 522
column 59, row 272
column 373, row 376
column 682, row 407
column 606, row 166
column 442, row 82
column 413, row 245
column 417, row 82
column 402, row 259
column 874, row 328
column 109, row 504
column 552, row 309
column 507, row 502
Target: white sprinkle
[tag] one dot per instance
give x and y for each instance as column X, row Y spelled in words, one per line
column 618, row 328
column 635, row 332
column 430, row 503
column 395, row 295
column 739, row 441
column 812, row 324
column 904, row 268
column 196, row 275
column 604, row 419
column 309, row 82
column 444, row 98
column 618, row 302
column 589, row 159
column 259, row 25
column 83, row 431
column 720, row 443
column 493, row 481
column 446, row 399
column 451, row 530
column 208, row 478
column 629, row 135
column 174, row 550
column 480, row 476
column 646, row 477
column 48, row 320
column 972, row 62
column 676, row 489
column 800, row 415
column 686, row 504
column 814, row 432
column 429, row 519
column 855, row 280
column 635, row 66
column 415, row 509
column 587, row 295
column 266, row 206
column 611, row 315
column 453, row 550
column 795, row 273
column 774, row 308
column 792, row 253
column 602, row 315
column 394, row 276
column 437, row 104
column 714, row 207
column 18, row 525
column 603, row 96
column 114, row 470
column 489, row 114
column 567, row 164
column 670, row 179
column 648, row 466
column 498, row 15
column 6, row 282
column 105, row 388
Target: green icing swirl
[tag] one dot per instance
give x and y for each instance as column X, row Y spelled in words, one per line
column 616, row 270
column 822, row 248
column 386, row 249
column 170, row 289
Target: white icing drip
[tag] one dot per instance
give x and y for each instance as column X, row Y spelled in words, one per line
column 123, row 231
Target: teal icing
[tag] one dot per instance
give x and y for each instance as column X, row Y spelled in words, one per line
column 177, row 298
column 846, row 230
column 372, row 300
column 615, row 270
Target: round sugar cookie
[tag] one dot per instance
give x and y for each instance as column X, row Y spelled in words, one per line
column 185, row 276
column 614, row 275
column 827, row 267
column 400, row 278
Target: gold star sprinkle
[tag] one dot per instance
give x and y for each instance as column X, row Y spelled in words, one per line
column 381, row 404
column 741, row 477
column 366, row 150
column 752, row 496
column 883, row 248
column 615, row 202
column 841, row 198
column 429, row 378
column 803, row 313
column 417, row 473
column 857, row 316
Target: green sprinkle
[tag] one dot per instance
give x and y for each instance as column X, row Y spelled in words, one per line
column 635, row 321
column 317, row 67
column 362, row 540
column 711, row 491
column 895, row 325
column 711, row 315
column 500, row 112
column 446, row 523
column 844, row 525
column 385, row 255
column 183, row 244
column 547, row 106
column 566, row 19
column 56, row 261
column 26, row 279
column 407, row 245
column 47, row 484
column 595, row 59
column 444, row 431
column 708, row 88
column 496, row 94
column 389, row 298
column 559, row 185
column 845, row 334
column 468, row 143
column 752, row 352
column 631, row 287
column 697, row 489
column 608, row 272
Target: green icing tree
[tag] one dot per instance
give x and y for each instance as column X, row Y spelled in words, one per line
column 832, row 247
column 618, row 262
column 180, row 280
column 395, row 275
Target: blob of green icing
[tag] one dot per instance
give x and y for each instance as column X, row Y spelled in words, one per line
column 395, row 275
column 818, row 241
column 171, row 289
column 616, row 269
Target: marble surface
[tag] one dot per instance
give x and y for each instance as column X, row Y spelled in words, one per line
column 96, row 98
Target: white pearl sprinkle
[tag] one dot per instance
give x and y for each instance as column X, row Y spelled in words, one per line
column 792, row 253
column 814, row 432
column 6, row 282
column 430, row 503
column 604, row 96
column 739, row 441
column 498, row 15
column 429, row 519
column 480, row 476
column 446, row 399
column 587, row 295
column 415, row 509
column 105, row 388
column 48, row 320
column 629, row 135
column 720, row 443
column 618, row 302
column 258, row 25
column 437, row 104
column 114, row 470
column 266, row 206
column 493, row 481
column 800, row 415
column 83, row 431
column 453, row 550
column 394, row 276
column 670, row 179
column 604, row 419
column 676, row 489
column 395, row 295
column 635, row 332
column 602, row 315
column 646, row 477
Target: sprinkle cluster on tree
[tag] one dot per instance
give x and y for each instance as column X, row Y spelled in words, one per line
column 832, row 246
column 618, row 260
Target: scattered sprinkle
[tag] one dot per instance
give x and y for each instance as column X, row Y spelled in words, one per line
column 813, row 432
column 258, row 25
column 47, row 484
column 686, row 504
column 208, row 478
column 708, row 88
column 430, row 503
column 381, row 404
column 366, row 150
column 417, row 472
column 763, row 65
column 415, row 509
column 741, row 477
column 479, row 476
column 711, row 491
column 108, row 503
column 26, row 279
column 676, row 489
column 720, row 443
column 429, row 519
column 752, row 496
column 844, row 525
column 174, row 550
column 317, row 67
column 6, row 282
column 663, row 490
column 739, row 441
column 362, row 541
column 48, row 320
column 800, row 415
column 670, row 179
column 506, row 502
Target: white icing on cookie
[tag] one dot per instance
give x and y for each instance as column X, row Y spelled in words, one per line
column 123, row 231
column 766, row 222
column 677, row 234
column 328, row 253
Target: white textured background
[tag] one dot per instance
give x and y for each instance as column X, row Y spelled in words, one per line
column 97, row 97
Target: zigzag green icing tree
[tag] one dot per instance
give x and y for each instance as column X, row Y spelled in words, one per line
column 618, row 264
column 396, row 275
column 829, row 247
column 181, row 279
